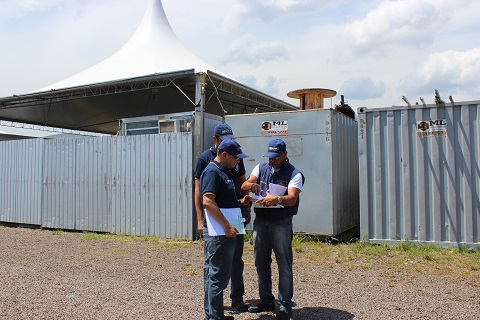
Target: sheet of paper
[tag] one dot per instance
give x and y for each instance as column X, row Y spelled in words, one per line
column 255, row 197
column 276, row 190
column 234, row 217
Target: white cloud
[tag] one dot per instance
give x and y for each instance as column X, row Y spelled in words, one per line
column 460, row 68
column 284, row 5
column 399, row 23
column 21, row 8
column 249, row 50
column 450, row 72
column 362, row 88
column 265, row 11
column 269, row 86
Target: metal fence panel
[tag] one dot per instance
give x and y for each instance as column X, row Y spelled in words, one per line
column 93, row 191
column 77, row 188
column 140, row 185
column 21, row 181
column 152, row 185
column 419, row 174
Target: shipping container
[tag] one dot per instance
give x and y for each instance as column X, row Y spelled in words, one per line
column 322, row 143
column 419, row 173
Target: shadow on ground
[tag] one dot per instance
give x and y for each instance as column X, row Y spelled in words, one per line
column 311, row 314
column 322, row 313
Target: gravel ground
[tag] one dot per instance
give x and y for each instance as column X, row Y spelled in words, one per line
column 60, row 275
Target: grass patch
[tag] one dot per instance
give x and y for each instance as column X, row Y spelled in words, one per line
column 162, row 242
column 248, row 237
column 405, row 256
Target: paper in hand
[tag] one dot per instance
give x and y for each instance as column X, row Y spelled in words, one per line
column 274, row 189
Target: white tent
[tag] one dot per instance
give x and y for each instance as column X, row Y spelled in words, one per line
column 152, row 74
column 153, row 48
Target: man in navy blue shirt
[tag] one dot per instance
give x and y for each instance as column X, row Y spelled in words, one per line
column 219, row 191
column 222, row 132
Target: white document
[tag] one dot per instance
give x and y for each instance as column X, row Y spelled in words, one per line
column 234, row 217
column 276, row 190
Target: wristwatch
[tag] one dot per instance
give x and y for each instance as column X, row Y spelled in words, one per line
column 279, row 199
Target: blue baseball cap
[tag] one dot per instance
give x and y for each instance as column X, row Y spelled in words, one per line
column 223, row 131
column 275, row 148
column 231, row 147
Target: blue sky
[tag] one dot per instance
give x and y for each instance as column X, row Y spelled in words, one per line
column 372, row 52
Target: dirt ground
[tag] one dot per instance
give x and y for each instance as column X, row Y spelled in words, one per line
column 47, row 274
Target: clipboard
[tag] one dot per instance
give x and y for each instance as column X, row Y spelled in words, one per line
column 234, row 217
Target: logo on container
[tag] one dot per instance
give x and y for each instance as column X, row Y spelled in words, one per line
column 432, row 128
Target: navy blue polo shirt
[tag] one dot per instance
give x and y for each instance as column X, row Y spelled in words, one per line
column 207, row 156
column 215, row 180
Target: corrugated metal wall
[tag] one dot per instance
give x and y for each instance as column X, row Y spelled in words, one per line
column 138, row 185
column 419, row 174
column 21, row 181
column 77, row 184
column 152, row 185
column 344, row 172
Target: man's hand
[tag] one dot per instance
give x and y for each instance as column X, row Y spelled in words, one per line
column 255, row 188
column 246, row 201
column 231, row 232
column 268, row 201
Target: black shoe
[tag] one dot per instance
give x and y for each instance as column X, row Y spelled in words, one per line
column 284, row 314
column 240, row 306
column 261, row 307
column 226, row 318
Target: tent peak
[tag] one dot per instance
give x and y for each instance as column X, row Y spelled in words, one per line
column 153, row 48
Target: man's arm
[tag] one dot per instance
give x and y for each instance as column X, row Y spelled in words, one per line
column 288, row 200
column 251, row 185
column 246, row 208
column 214, row 211
column 198, row 207
column 241, row 180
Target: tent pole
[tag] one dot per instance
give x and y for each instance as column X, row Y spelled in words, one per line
column 198, row 128
column 198, row 132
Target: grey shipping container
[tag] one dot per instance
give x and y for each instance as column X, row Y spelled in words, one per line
column 322, row 143
column 419, row 173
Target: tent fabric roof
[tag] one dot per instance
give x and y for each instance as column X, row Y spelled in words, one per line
column 153, row 48
column 152, row 74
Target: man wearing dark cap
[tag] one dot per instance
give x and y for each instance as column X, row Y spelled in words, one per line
column 219, row 192
column 221, row 132
column 273, row 227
